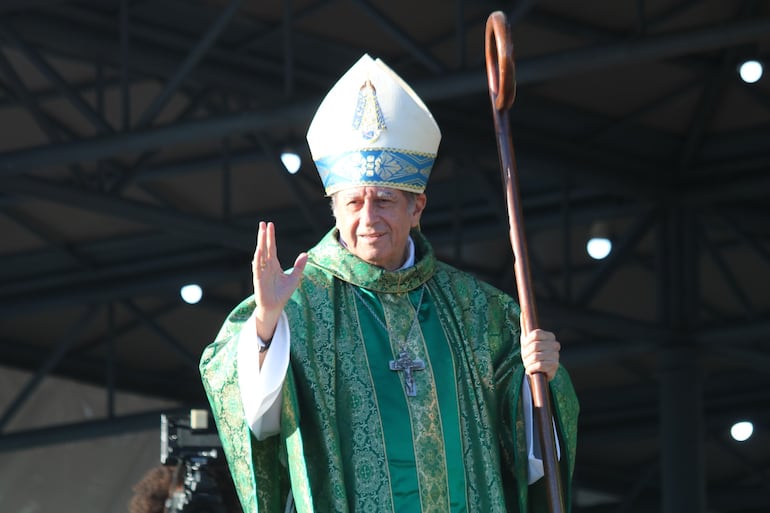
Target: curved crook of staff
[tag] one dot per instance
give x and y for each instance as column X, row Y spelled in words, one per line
column 502, row 90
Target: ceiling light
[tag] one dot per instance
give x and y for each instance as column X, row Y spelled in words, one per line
column 742, row 431
column 599, row 245
column 750, row 71
column 291, row 161
column 191, row 294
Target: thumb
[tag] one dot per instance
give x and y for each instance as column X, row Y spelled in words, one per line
column 299, row 267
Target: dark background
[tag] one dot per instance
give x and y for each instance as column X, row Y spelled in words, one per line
column 140, row 143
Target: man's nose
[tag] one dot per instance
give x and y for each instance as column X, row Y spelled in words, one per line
column 369, row 211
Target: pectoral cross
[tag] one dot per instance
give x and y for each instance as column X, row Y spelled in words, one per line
column 407, row 364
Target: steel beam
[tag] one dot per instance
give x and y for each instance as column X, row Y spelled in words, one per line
column 301, row 201
column 630, row 238
column 9, row 6
column 553, row 66
column 125, row 94
column 18, row 161
column 190, row 61
column 681, row 391
column 175, row 223
column 727, row 274
column 99, row 291
column 78, row 431
column 708, row 105
column 187, row 357
column 154, row 52
column 683, row 474
column 62, row 346
column 734, row 333
column 447, row 86
column 57, row 80
column 27, row 100
column 415, row 49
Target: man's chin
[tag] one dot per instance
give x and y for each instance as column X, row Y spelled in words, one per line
column 371, row 257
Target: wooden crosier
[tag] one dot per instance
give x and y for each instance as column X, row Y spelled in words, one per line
column 502, row 91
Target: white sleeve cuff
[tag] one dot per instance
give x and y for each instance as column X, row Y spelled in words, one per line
column 534, row 455
column 261, row 388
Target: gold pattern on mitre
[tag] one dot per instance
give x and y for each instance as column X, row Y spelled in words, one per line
column 367, row 118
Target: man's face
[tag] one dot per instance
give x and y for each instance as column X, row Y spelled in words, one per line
column 374, row 223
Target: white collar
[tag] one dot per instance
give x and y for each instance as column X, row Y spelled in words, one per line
column 410, row 258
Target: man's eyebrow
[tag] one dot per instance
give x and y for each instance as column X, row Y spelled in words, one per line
column 386, row 194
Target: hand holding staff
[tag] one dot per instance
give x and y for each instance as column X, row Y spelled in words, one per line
column 502, row 90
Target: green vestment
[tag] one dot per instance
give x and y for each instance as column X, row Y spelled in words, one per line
column 351, row 439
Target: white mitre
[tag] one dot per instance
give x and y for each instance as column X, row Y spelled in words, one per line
column 373, row 129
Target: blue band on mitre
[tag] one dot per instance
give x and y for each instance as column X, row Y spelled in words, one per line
column 386, row 167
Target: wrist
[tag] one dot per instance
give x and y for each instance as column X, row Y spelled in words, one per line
column 266, row 323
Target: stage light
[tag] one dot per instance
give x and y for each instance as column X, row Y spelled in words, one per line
column 191, row 294
column 750, row 71
column 599, row 245
column 742, row 431
column 291, row 161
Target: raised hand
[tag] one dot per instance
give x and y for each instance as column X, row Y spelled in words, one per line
column 272, row 286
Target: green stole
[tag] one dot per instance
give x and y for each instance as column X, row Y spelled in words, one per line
column 423, row 445
column 351, row 439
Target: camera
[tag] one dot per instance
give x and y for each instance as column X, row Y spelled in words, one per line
column 190, row 444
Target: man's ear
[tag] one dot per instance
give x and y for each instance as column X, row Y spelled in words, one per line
column 419, row 205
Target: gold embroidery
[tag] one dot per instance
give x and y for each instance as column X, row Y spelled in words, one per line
column 430, row 454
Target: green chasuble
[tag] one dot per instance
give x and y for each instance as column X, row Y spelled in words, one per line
column 402, row 395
